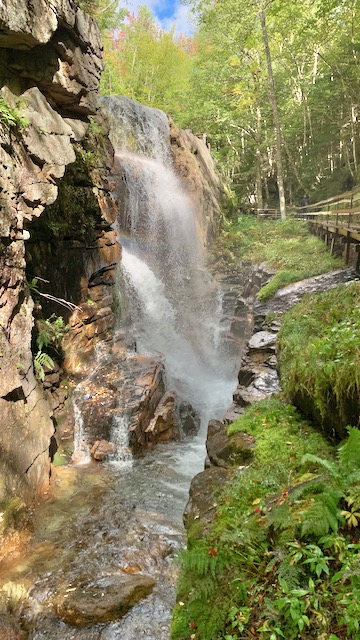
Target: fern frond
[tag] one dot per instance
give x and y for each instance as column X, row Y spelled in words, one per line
column 349, row 453
column 42, row 360
column 322, row 515
column 323, row 462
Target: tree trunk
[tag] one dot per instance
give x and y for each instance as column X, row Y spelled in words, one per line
column 273, row 102
column 258, row 170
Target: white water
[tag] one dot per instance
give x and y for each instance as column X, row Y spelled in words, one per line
column 176, row 307
column 120, row 437
column 81, row 453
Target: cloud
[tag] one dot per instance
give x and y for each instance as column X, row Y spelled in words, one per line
column 183, row 20
column 181, row 15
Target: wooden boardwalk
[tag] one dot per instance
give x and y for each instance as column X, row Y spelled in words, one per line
column 335, row 220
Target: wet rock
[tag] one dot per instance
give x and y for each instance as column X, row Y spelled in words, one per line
column 102, row 449
column 262, row 340
column 189, row 419
column 200, row 509
column 233, row 413
column 164, row 425
column 229, row 451
column 103, row 599
column 286, row 297
column 136, row 382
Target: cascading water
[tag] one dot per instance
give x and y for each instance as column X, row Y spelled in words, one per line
column 175, row 304
column 127, row 518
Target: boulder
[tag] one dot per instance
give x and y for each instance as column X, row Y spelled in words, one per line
column 201, row 507
column 172, row 419
column 102, row 449
column 228, row 451
column 102, row 599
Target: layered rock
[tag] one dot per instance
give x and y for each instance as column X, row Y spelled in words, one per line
column 50, row 61
column 130, row 387
column 195, row 164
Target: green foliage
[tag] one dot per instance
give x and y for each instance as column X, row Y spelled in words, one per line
column 289, row 565
column 319, row 344
column 148, row 64
column 42, row 360
column 11, row 117
column 51, row 332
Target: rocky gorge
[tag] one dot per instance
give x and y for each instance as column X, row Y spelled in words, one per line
column 64, row 194
column 107, row 207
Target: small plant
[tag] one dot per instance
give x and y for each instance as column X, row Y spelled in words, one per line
column 42, row 360
column 11, row 117
column 51, row 332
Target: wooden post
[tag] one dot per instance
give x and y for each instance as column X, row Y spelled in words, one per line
column 347, row 251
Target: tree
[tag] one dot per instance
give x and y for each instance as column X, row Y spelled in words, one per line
column 146, row 63
column 273, row 102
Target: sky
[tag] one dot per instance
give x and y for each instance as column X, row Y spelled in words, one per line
column 167, row 12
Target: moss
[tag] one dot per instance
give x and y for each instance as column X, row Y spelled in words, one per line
column 319, row 343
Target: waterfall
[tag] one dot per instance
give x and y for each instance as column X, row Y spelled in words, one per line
column 81, row 450
column 175, row 304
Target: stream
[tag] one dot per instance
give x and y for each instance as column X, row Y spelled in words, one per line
column 125, row 516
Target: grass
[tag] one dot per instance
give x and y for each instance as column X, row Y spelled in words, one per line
column 286, row 246
column 319, row 343
column 281, row 559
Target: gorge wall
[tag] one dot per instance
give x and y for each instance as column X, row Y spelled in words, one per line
column 56, row 226
column 50, row 60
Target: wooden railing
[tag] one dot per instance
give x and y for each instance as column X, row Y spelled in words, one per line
column 335, row 219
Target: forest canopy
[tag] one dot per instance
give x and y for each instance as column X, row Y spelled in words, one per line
column 244, row 58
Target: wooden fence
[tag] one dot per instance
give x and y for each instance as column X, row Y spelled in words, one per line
column 335, row 220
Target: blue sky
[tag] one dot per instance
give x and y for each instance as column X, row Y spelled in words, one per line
column 168, row 12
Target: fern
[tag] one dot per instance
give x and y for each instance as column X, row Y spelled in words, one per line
column 322, row 462
column 349, row 453
column 322, row 515
column 51, row 332
column 41, row 361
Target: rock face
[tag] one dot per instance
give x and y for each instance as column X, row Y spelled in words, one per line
column 195, row 164
column 130, row 387
column 50, row 64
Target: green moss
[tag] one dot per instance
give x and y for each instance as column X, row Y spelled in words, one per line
column 319, row 343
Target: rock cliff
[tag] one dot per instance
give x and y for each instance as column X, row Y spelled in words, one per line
column 50, row 61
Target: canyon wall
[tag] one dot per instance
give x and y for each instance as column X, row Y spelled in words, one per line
column 59, row 251
column 50, row 61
